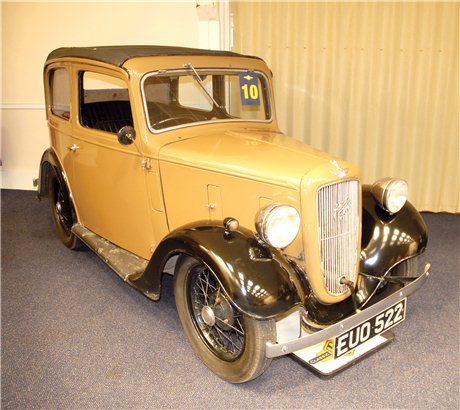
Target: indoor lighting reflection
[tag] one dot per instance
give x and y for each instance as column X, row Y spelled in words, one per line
column 248, row 287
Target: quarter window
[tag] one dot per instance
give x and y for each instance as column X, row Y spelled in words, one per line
column 60, row 92
column 104, row 102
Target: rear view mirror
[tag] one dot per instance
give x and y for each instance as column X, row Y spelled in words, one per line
column 126, row 135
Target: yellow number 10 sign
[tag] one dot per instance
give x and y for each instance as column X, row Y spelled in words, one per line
column 249, row 87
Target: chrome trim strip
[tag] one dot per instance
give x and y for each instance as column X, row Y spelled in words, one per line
column 280, row 349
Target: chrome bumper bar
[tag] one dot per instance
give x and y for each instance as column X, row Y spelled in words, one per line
column 280, row 349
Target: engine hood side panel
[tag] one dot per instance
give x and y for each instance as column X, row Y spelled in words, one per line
column 193, row 194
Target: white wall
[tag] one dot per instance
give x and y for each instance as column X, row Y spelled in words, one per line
column 30, row 30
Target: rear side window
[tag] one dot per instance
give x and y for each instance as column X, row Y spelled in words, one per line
column 104, row 102
column 60, row 92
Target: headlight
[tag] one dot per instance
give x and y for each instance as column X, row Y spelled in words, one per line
column 278, row 225
column 390, row 193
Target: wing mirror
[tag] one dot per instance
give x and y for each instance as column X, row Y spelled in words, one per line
column 126, row 135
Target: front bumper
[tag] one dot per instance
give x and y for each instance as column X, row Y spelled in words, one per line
column 280, row 349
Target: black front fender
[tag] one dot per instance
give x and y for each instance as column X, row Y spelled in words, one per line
column 386, row 241
column 389, row 239
column 258, row 279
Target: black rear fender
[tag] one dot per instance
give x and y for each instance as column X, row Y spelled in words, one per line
column 49, row 163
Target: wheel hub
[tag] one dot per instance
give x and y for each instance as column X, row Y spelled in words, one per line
column 208, row 316
column 223, row 310
column 215, row 320
column 59, row 213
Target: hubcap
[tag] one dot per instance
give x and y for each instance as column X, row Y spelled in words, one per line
column 61, row 215
column 208, row 316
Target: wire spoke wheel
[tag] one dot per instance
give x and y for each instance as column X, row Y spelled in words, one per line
column 217, row 322
column 228, row 341
column 62, row 208
column 62, row 212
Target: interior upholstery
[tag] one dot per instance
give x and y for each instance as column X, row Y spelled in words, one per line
column 107, row 116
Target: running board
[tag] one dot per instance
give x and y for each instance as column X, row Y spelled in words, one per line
column 125, row 264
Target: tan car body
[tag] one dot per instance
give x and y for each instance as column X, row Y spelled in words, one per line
column 253, row 162
column 142, row 195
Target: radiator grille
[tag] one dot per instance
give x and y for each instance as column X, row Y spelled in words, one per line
column 338, row 225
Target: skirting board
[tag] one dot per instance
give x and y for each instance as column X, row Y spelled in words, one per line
column 17, row 179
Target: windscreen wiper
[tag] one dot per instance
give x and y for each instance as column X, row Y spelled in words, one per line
column 200, row 82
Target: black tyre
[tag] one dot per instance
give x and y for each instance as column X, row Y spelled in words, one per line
column 229, row 342
column 62, row 212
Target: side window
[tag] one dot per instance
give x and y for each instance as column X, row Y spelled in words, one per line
column 104, row 102
column 60, row 92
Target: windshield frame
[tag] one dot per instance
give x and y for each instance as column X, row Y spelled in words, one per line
column 210, row 71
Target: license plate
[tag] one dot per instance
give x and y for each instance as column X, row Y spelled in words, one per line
column 372, row 327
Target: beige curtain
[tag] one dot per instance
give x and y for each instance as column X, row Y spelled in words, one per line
column 374, row 83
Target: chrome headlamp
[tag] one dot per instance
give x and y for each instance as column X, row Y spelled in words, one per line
column 391, row 193
column 278, row 225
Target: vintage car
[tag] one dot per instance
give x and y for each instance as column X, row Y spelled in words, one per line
column 170, row 160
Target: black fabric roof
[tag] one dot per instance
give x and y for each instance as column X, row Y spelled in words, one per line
column 117, row 55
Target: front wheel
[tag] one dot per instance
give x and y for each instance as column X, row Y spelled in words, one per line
column 229, row 342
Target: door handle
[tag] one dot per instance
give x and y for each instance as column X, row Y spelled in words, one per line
column 73, row 147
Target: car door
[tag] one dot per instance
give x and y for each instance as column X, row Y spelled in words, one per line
column 109, row 186
column 58, row 91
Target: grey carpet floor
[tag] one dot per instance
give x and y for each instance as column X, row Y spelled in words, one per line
column 75, row 336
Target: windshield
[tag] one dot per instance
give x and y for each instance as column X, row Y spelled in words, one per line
column 181, row 97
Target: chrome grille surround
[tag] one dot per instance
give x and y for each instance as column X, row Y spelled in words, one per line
column 338, row 233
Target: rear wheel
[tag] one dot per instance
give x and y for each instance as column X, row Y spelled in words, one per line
column 62, row 212
column 229, row 342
